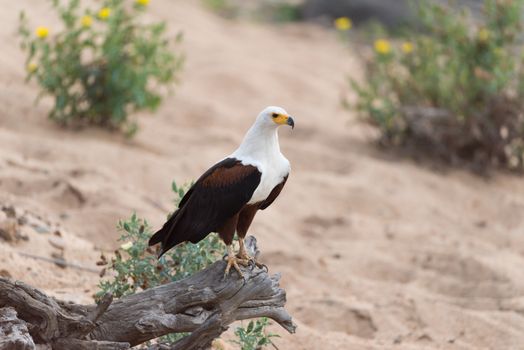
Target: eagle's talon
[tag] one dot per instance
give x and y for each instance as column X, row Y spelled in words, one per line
column 243, row 255
column 252, row 264
column 262, row 266
column 233, row 261
column 243, row 262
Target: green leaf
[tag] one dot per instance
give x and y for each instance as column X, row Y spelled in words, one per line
column 250, row 327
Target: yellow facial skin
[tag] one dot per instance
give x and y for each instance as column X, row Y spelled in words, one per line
column 281, row 119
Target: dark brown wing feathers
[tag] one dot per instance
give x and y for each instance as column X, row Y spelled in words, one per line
column 226, row 176
column 216, row 196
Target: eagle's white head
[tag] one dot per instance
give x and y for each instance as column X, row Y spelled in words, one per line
column 261, row 140
column 273, row 117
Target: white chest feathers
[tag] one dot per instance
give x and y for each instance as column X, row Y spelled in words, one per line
column 273, row 173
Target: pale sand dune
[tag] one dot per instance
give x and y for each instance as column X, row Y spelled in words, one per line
column 375, row 252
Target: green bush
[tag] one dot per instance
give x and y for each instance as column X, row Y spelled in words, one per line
column 135, row 267
column 453, row 88
column 102, row 65
column 266, row 10
column 253, row 336
column 222, row 7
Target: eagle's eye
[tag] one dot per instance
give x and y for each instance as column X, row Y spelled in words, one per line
column 274, row 115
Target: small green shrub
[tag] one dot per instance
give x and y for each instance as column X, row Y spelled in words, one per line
column 266, row 10
column 135, row 267
column 279, row 12
column 102, row 65
column 453, row 88
column 253, row 336
column 222, row 7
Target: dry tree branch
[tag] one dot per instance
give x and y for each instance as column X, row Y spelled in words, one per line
column 203, row 304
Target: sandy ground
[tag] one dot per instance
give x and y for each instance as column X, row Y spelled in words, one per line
column 375, row 252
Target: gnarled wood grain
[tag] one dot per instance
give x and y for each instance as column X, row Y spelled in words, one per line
column 203, row 304
column 14, row 334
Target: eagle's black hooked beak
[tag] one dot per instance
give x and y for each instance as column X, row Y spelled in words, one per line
column 291, row 122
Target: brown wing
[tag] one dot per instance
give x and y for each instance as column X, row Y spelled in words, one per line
column 216, row 196
column 274, row 194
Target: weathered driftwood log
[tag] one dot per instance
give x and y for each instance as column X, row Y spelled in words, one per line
column 203, row 304
column 13, row 332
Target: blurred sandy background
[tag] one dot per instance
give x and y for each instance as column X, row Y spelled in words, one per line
column 375, row 252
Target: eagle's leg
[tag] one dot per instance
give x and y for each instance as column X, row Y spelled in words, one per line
column 245, row 218
column 243, row 254
column 233, row 260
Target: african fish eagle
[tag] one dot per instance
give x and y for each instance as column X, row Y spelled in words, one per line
column 226, row 197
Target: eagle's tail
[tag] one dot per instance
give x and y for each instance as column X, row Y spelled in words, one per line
column 165, row 235
column 157, row 237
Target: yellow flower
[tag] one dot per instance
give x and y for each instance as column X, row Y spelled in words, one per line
column 126, row 246
column 86, row 21
column 382, row 46
column 32, row 67
column 42, row 32
column 407, row 47
column 142, row 2
column 104, row 12
column 484, row 34
column 342, row 23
